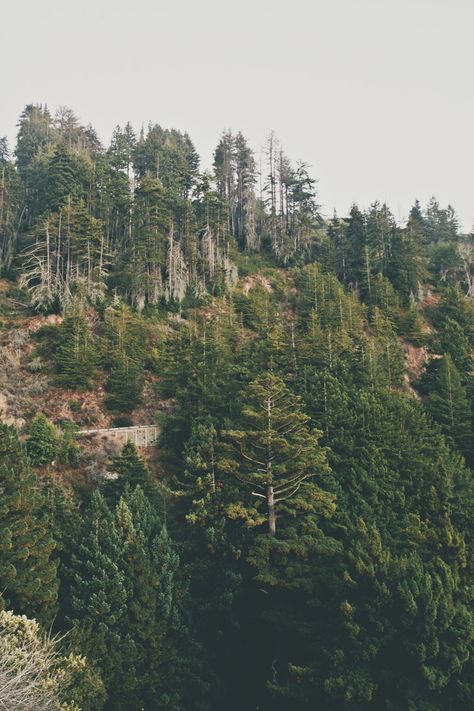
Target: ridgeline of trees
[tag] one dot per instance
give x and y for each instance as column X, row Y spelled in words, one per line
column 303, row 536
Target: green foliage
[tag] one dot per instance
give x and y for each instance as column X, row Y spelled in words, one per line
column 383, row 612
column 42, row 443
column 76, row 357
column 35, row 674
column 97, row 590
column 448, row 404
column 275, row 456
column 27, row 573
column 69, row 451
column 454, row 341
column 302, row 537
column 122, row 421
column 412, row 326
column 125, row 385
column 130, row 471
column 124, row 573
column 456, row 306
column 125, row 354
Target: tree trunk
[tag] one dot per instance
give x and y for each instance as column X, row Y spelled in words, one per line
column 271, row 511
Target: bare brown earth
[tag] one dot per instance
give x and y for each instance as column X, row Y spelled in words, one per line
column 253, row 280
column 27, row 385
column 415, row 359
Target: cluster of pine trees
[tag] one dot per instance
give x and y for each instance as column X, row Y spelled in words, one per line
column 303, row 536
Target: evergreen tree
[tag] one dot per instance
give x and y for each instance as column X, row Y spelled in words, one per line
column 42, row 443
column 125, row 386
column 276, row 456
column 456, row 306
column 11, row 209
column 408, row 260
column 412, row 325
column 454, row 342
column 124, row 353
column 76, row 357
column 358, row 270
column 448, row 404
column 130, row 471
column 61, row 183
column 98, row 597
column 27, row 572
column 337, row 257
column 157, row 619
column 127, row 602
column 441, row 223
column 35, row 133
column 65, row 525
column 64, row 265
column 398, row 583
column 245, row 208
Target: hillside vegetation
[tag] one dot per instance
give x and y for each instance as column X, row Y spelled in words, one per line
column 302, row 535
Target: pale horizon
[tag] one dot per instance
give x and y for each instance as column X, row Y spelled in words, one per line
column 375, row 96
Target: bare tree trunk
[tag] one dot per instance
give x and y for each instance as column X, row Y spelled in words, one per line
column 2, row 192
column 271, row 510
column 469, row 280
column 213, row 471
column 293, row 348
column 48, row 258
column 58, row 248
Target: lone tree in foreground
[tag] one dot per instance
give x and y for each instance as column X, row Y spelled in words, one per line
column 35, row 676
column 276, row 454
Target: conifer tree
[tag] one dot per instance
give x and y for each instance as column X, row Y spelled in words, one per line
column 130, row 471
column 276, row 455
column 42, row 443
column 124, row 353
column 98, row 596
column 441, row 223
column 412, row 325
column 357, row 253
column 35, row 133
column 10, row 208
column 76, row 357
column 156, row 619
column 336, row 256
column 448, row 404
column 127, row 602
column 124, row 386
column 66, row 524
column 407, row 268
column 27, row 572
column 456, row 306
column 61, row 181
column 245, row 208
column 454, row 341
column 402, row 584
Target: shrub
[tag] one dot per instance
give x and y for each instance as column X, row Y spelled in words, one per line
column 42, row 443
column 122, row 421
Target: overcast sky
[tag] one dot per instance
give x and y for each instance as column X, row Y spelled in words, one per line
column 377, row 95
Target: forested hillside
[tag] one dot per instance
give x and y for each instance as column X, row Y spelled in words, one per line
column 301, row 537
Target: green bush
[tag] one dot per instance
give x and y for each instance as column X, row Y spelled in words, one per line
column 69, row 452
column 42, row 443
column 122, row 421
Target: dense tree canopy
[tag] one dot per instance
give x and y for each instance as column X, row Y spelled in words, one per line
column 302, row 536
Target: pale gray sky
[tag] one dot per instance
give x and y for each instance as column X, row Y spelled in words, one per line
column 377, row 95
